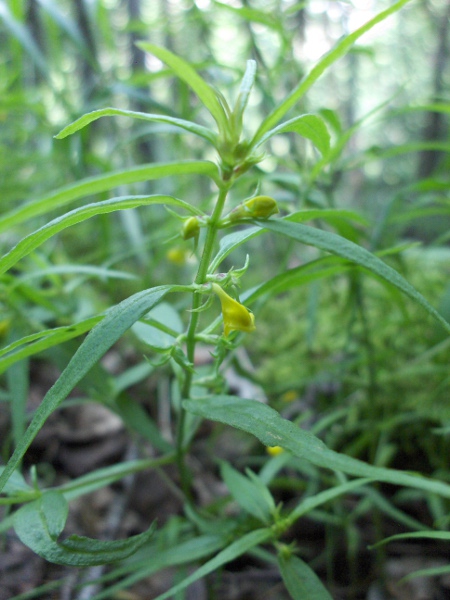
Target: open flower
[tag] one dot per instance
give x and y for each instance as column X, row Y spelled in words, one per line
column 235, row 316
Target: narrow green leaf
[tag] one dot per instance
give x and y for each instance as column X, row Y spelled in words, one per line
column 107, row 475
column 252, row 15
column 22, row 35
column 137, row 419
column 309, row 504
column 241, row 546
column 336, row 244
column 180, row 553
column 316, row 269
column 39, row 523
column 341, row 48
column 311, row 127
column 101, row 183
column 230, row 242
column 247, row 494
column 300, row 580
column 245, row 89
column 429, row 535
column 117, row 320
column 35, row 239
column 432, row 572
column 199, row 130
column 70, row 28
column 186, row 73
column 233, row 240
column 37, row 342
column 272, row 430
column 18, row 378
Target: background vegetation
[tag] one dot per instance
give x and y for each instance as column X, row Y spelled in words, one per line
column 337, row 350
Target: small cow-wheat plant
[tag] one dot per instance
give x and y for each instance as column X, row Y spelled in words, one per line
column 220, row 315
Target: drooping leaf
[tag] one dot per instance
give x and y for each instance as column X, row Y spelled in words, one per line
column 271, row 429
column 331, row 242
column 117, row 320
column 233, row 240
column 190, row 126
column 39, row 524
column 78, row 215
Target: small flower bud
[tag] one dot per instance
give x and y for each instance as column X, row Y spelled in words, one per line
column 191, row 228
column 235, row 316
column 259, row 207
column 177, row 256
column 274, row 450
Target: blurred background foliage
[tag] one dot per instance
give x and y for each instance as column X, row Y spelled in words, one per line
column 386, row 105
column 341, row 352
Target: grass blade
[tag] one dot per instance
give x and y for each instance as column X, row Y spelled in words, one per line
column 337, row 52
column 101, row 183
column 117, row 320
column 38, row 237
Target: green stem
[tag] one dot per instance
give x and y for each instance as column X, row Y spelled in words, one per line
column 205, row 260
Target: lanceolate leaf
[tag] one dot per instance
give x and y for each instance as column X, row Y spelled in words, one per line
column 300, row 580
column 186, row 73
column 337, row 52
column 233, row 240
column 237, row 548
column 37, row 342
column 101, row 183
column 311, row 127
column 199, row 130
column 117, row 320
column 39, row 524
column 272, row 430
column 336, row 244
column 35, row 239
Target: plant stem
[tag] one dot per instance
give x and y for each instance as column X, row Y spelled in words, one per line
column 205, row 260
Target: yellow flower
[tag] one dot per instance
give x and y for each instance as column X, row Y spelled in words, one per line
column 177, row 256
column 235, row 316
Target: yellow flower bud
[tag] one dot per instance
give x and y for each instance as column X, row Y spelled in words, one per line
column 259, row 207
column 274, row 450
column 235, row 316
column 177, row 256
column 191, row 228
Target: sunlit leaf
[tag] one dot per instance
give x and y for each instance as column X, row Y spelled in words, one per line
column 341, row 48
column 184, row 71
column 199, row 130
